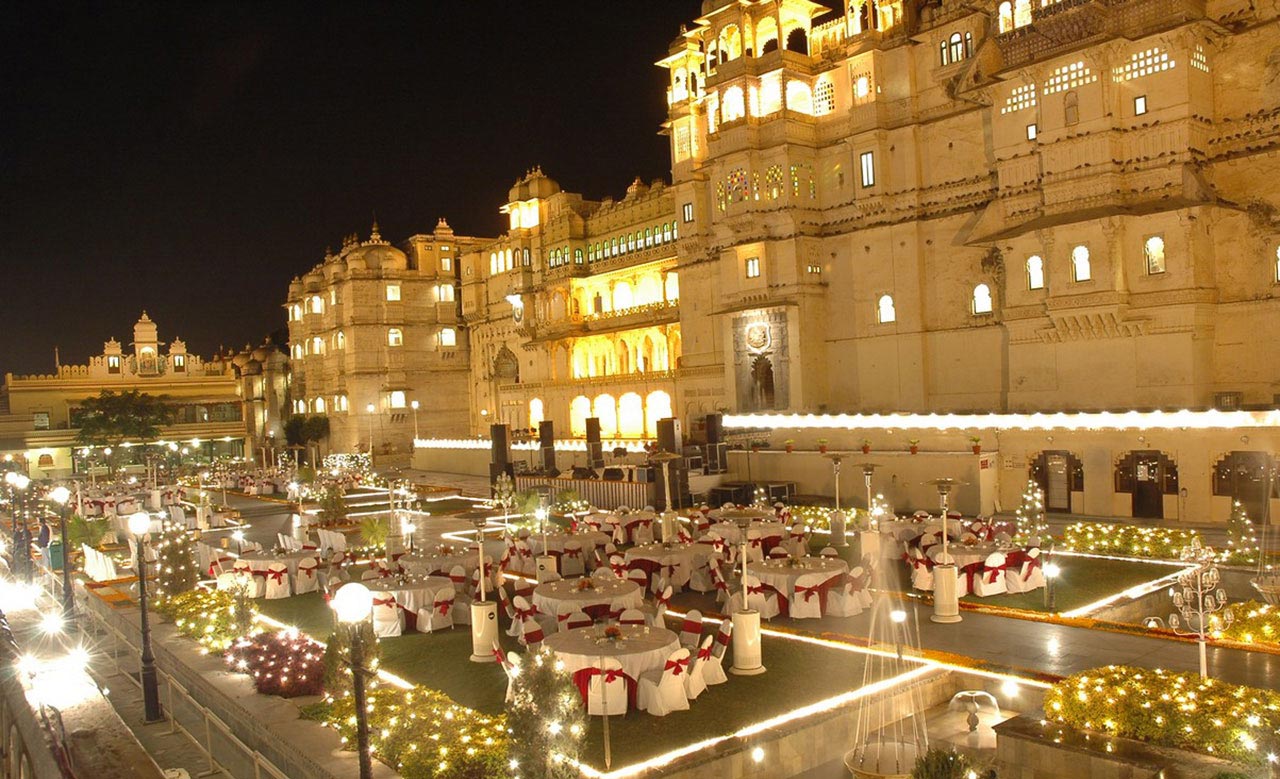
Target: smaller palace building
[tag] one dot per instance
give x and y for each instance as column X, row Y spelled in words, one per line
column 39, row 413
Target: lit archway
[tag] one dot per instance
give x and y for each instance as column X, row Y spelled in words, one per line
column 535, row 412
column 657, row 406
column 606, row 408
column 622, row 296
column 630, row 416
column 579, row 410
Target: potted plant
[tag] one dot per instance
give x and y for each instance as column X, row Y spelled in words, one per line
column 822, row 446
column 790, row 444
column 976, row 441
column 914, row 444
column 866, row 446
column 758, row 445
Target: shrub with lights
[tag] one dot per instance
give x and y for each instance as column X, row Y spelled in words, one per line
column 1030, row 514
column 1181, row 710
column 333, row 506
column 285, row 663
column 1127, row 540
column 215, row 618
column 942, row 764
column 546, row 719
column 1255, row 623
column 336, row 673
column 1242, row 539
column 176, row 567
column 423, row 734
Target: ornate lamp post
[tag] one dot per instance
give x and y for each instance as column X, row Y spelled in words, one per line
column 60, row 495
column 353, row 603
column 747, row 655
column 946, row 599
column 139, row 526
column 1197, row 602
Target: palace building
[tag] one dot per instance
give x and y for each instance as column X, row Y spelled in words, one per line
column 1015, row 207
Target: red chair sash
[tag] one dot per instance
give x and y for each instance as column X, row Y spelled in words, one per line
column 443, row 606
column 276, row 576
column 676, row 667
column 523, row 614
column 722, row 638
column 704, row 653
column 582, row 679
column 691, row 626
column 970, row 571
column 572, row 552
column 390, row 600
column 533, row 636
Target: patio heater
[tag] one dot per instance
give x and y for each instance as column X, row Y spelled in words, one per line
column 484, row 612
column 545, row 562
column 869, row 536
column 669, row 516
column 946, row 599
column 839, row 522
column 747, row 649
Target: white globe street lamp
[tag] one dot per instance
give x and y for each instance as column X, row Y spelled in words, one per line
column 139, row 526
column 352, row 604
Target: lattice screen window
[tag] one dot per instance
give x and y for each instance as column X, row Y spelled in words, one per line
column 1144, row 63
column 1022, row 97
column 1068, row 77
column 1198, row 59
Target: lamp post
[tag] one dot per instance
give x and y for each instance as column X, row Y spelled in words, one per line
column 1197, row 603
column 238, row 537
column 898, row 616
column 139, row 526
column 414, row 405
column 18, row 505
column 946, row 599
column 1051, row 574
column 61, row 495
column 369, row 410
column 747, row 654
column 669, row 516
column 353, row 604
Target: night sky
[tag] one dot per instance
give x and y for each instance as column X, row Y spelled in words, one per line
column 191, row 158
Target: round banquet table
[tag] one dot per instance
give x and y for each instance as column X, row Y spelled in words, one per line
column 261, row 561
column 678, row 561
column 640, row 649
column 976, row 553
column 411, row 594
column 610, row 595
column 769, row 530
column 781, row 575
column 556, row 541
column 427, row 563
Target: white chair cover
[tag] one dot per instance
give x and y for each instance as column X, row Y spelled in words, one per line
column 308, row 578
column 661, row 692
column 277, row 581
column 388, row 620
column 607, row 691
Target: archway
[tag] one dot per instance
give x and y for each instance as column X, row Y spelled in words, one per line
column 1248, row 477
column 631, row 421
column 1148, row 475
column 506, row 368
column 535, row 412
column 606, row 409
column 579, row 410
column 762, row 392
column 657, row 406
column 766, row 35
column 1059, row 473
column 622, row 296
column 798, row 40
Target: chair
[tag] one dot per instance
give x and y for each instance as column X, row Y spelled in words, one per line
column 370, row 574
column 696, row 682
column 642, row 531
column 388, row 619
column 846, row 599
column 1025, row 573
column 713, row 667
column 921, row 569
column 798, row 540
column 656, row 613
column 277, row 581
column 828, row 551
column 631, row 617
column 513, row 620
column 259, row 582
column 991, row 579
column 577, row 619
column 779, row 552
column 531, row 634
column 439, row 615
column 691, row 629
column 639, row 577
column 607, row 690
column 308, row 578
column 755, row 546
column 718, row 580
column 572, row 562
column 661, row 692
column 762, row 599
column 811, row 597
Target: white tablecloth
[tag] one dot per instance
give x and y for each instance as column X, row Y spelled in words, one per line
column 261, row 561
column 411, row 594
column 781, row 576
column 613, row 595
column 685, row 558
column 556, row 541
column 640, row 649
column 768, row 529
column 425, row 564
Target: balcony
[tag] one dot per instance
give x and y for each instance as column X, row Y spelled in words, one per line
column 662, row 312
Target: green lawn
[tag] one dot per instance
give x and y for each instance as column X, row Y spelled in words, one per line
column 799, row 674
column 1083, row 580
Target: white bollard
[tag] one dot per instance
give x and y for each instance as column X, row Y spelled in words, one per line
column 484, row 631
column 747, row 651
column 946, row 600
column 546, row 565
column 838, row 524
column 668, row 527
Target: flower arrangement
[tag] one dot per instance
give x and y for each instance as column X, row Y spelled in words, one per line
column 1255, row 623
column 215, row 618
column 1181, row 710
column 586, row 584
column 285, row 663
column 423, row 734
column 613, row 632
column 1127, row 540
column 913, row 444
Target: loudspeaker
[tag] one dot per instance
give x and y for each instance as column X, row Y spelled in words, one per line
column 670, row 438
column 595, row 450
column 500, row 435
column 584, row 473
column 611, row 474
column 547, row 443
column 715, row 428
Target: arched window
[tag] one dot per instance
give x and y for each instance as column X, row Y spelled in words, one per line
column 579, row 410
column 733, row 107
column 981, row 299
column 799, row 98
column 824, row 97
column 955, row 46
column 319, row 406
column 630, row 416
column 448, row 336
column 395, row 337
column 577, row 256
column 766, row 36
column 1021, row 13
column 1153, row 250
column 317, row 304
column 730, row 43
column 1006, row 16
column 510, row 262
column 493, row 264
column 1035, row 272
column 396, row 399
column 798, row 40
column 657, row 406
column 317, row 345
column 535, row 414
column 885, row 312
column 1080, row 270
column 605, row 409
column 1070, row 108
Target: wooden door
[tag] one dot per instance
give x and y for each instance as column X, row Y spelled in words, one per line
column 1058, row 487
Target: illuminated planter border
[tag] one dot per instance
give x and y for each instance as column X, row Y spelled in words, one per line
column 1103, row 420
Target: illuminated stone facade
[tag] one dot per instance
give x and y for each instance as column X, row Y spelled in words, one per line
column 374, row 329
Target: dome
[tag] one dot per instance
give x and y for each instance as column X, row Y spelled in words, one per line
column 242, row 359
column 377, row 256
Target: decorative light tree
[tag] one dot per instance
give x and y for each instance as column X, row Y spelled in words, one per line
column 1201, row 610
column 546, row 719
column 176, row 567
column 1030, row 513
column 504, row 496
column 1242, row 538
column 333, row 508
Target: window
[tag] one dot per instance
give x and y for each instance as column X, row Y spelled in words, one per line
column 113, row 363
column 341, row 403
column 333, row 297
column 493, row 264
column 393, row 292
column 824, row 97
column 317, row 305
column 342, row 340
column 733, row 106
column 1153, row 251
column 885, row 312
column 1071, row 108
column 444, row 247
column 868, row 168
column 1006, row 16
column 446, row 264
column 813, row 269
column 297, row 312
column 1277, row 274
column 396, row 399
column 753, row 267
column 687, row 210
column 1080, row 270
column 319, row 405
column 444, row 293
column 40, row 421
column 981, row 300
column 1031, row 132
column 179, row 363
column 1139, row 105
column 448, row 337
column 1035, row 272
column 395, row 337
